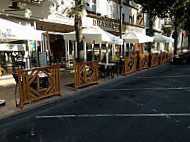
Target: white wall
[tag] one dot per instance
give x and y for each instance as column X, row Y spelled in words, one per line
column 102, row 7
column 38, row 12
column 130, row 12
column 158, row 24
column 48, row 11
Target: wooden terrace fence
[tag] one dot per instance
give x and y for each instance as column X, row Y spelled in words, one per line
column 155, row 59
column 163, row 57
column 143, row 61
column 170, row 56
column 38, row 83
column 130, row 64
column 86, row 73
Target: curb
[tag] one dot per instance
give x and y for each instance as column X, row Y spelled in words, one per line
column 73, row 96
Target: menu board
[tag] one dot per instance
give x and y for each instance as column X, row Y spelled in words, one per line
column 43, row 59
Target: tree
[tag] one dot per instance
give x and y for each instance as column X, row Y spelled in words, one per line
column 175, row 9
column 77, row 12
column 177, row 12
column 153, row 8
column 187, row 22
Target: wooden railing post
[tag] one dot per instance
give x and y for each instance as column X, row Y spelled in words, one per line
column 82, row 74
column 143, row 61
column 155, row 59
column 130, row 64
column 30, row 87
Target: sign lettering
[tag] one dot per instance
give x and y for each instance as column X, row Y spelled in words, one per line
column 105, row 24
column 8, row 34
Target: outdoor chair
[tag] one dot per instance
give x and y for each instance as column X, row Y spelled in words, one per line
column 102, row 71
column 115, row 69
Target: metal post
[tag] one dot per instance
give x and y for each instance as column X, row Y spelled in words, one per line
column 100, row 51
column 76, row 50
column 120, row 26
column 182, row 42
column 92, row 51
column 85, row 55
column 28, row 56
column 36, row 52
column 107, row 54
column 129, row 49
column 66, row 53
column 124, row 49
column 68, row 56
column 114, row 49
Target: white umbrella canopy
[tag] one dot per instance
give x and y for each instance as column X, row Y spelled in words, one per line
column 162, row 38
column 95, row 35
column 135, row 37
column 171, row 39
column 149, row 39
column 10, row 31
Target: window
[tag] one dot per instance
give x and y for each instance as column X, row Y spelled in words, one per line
column 132, row 19
column 91, row 6
column 123, row 17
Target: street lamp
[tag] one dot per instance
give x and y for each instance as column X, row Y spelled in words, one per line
column 120, row 24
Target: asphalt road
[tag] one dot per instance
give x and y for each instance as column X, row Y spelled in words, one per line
column 148, row 106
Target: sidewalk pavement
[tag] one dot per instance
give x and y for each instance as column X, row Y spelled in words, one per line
column 7, row 88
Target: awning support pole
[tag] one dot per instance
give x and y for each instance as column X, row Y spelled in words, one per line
column 100, row 51
column 107, row 54
column 75, row 50
column 85, row 54
column 93, row 52
column 124, row 49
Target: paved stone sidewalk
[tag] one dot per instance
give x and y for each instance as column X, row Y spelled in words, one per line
column 7, row 88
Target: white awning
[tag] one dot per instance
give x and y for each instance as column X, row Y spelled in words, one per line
column 162, row 38
column 149, row 39
column 10, row 31
column 95, row 35
column 135, row 37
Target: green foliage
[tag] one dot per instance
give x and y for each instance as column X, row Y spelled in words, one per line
column 114, row 58
column 154, row 7
column 187, row 17
column 164, row 8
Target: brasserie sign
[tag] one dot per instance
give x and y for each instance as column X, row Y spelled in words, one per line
column 105, row 24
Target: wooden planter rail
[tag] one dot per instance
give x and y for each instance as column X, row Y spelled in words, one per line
column 163, row 58
column 130, row 64
column 143, row 61
column 170, row 56
column 155, row 59
column 86, row 73
column 38, row 83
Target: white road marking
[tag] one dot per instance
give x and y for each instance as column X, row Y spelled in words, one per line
column 115, row 115
column 179, row 76
column 135, row 89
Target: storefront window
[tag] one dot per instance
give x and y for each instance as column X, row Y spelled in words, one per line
column 33, row 53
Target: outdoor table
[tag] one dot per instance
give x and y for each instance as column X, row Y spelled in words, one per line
column 43, row 79
column 108, row 69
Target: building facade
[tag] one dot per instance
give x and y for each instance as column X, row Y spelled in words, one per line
column 52, row 17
